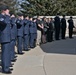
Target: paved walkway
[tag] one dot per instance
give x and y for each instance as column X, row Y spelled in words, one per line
column 55, row 58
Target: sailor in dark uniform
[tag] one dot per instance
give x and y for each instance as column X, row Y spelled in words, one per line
column 5, row 39
column 13, row 36
column 33, row 32
column 26, row 33
column 20, row 26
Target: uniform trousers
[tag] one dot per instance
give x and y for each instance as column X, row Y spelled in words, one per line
column 5, row 56
column 19, row 44
column 26, row 41
column 12, row 49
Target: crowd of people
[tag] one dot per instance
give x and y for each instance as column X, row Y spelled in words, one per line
column 26, row 33
column 53, row 28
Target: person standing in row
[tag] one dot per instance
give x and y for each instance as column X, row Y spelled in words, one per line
column 39, row 28
column 32, row 32
column 20, row 26
column 71, row 26
column 63, row 27
column 26, row 33
column 35, row 31
column 57, row 27
column 13, row 36
column 5, row 39
column 44, row 30
column 50, row 30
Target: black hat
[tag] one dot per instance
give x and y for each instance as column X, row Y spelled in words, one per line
column 58, row 13
column 34, row 18
column 30, row 17
column 20, row 14
column 4, row 7
column 26, row 16
column 11, row 13
column 71, row 17
column 63, row 15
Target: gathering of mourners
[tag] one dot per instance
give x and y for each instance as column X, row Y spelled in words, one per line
column 26, row 32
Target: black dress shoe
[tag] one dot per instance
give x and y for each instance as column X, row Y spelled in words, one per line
column 11, row 69
column 10, row 66
column 12, row 63
column 32, row 47
column 71, row 37
column 63, row 38
column 14, row 60
column 57, row 39
column 7, row 72
column 26, row 49
column 21, row 53
column 15, row 56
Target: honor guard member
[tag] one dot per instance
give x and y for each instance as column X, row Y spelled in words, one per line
column 5, row 39
column 26, row 33
column 63, row 27
column 13, row 36
column 32, row 31
column 71, row 26
column 57, row 26
column 35, row 31
column 20, row 26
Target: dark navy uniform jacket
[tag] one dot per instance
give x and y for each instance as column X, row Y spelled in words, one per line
column 26, row 26
column 71, row 24
column 13, row 28
column 57, row 22
column 63, row 23
column 20, row 26
column 5, row 28
column 33, row 27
